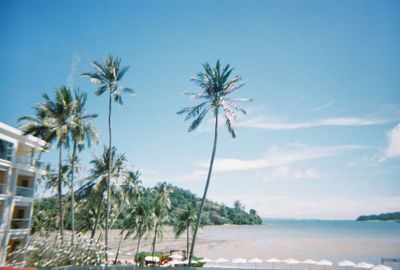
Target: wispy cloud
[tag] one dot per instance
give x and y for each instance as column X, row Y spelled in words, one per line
column 393, row 148
column 195, row 175
column 323, row 106
column 263, row 123
column 76, row 59
column 276, row 157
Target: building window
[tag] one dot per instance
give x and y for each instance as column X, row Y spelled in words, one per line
column 6, row 149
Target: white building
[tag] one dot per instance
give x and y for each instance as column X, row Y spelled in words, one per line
column 19, row 168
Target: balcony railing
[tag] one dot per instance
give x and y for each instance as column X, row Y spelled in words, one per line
column 28, row 161
column 20, row 223
column 24, row 191
column 3, row 188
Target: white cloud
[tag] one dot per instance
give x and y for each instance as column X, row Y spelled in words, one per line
column 393, row 149
column 277, row 158
column 286, row 172
column 76, row 59
column 195, row 175
column 323, row 106
column 263, row 123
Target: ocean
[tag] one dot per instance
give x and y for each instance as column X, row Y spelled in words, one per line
column 282, row 239
column 305, row 239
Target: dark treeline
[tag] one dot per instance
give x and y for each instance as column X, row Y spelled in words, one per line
column 395, row 216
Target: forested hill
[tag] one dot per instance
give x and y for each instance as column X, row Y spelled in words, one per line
column 214, row 213
column 46, row 209
column 395, row 216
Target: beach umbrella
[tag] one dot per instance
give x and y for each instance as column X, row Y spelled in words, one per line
column 273, row 261
column 239, row 260
column 255, row 261
column 205, row 260
column 324, row 263
column 221, row 260
column 381, row 267
column 309, row 262
column 291, row 261
column 364, row 265
column 346, row 263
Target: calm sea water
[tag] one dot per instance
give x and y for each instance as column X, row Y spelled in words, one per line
column 303, row 239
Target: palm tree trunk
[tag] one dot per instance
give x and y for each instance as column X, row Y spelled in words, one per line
column 138, row 244
column 96, row 220
column 72, row 194
column 109, row 173
column 61, row 226
column 119, row 245
column 153, row 246
column 187, row 240
column 205, row 189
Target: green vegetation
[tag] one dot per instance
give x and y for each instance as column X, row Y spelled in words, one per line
column 111, row 195
column 216, row 85
column 108, row 75
column 395, row 216
column 213, row 214
column 48, row 253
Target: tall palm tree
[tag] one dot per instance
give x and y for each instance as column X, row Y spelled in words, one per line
column 216, row 85
column 107, row 75
column 83, row 132
column 93, row 192
column 185, row 221
column 162, row 204
column 52, row 122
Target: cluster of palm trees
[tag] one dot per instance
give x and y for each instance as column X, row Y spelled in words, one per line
column 65, row 122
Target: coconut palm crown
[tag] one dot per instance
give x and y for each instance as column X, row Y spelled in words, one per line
column 216, row 85
column 108, row 75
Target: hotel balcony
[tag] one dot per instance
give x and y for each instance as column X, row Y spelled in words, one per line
column 3, row 188
column 20, row 223
column 24, row 191
column 27, row 160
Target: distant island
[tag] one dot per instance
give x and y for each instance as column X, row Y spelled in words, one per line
column 395, row 216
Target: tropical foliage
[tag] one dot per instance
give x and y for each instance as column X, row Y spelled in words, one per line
column 111, row 195
column 107, row 75
column 49, row 253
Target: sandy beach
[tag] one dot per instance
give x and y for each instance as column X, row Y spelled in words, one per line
column 230, row 241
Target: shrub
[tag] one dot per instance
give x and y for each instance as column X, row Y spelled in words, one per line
column 48, row 253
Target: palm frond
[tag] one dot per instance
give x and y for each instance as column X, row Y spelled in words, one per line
column 199, row 119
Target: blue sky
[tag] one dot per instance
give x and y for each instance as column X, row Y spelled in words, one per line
column 322, row 136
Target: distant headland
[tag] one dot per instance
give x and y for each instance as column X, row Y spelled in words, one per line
column 395, row 216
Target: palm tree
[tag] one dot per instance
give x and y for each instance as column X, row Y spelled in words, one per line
column 138, row 222
column 53, row 122
column 185, row 221
column 83, row 133
column 108, row 75
column 216, row 84
column 162, row 204
column 93, row 192
column 131, row 193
